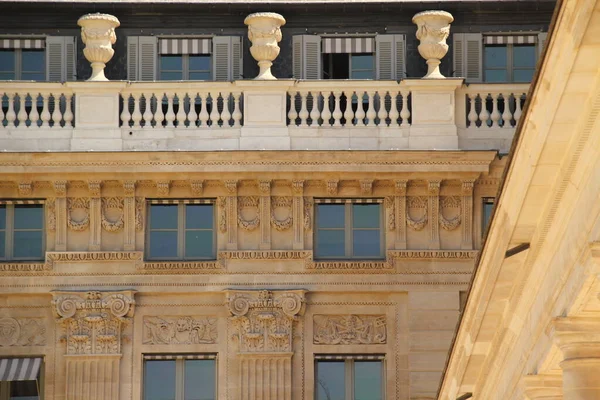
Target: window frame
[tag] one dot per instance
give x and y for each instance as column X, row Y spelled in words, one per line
column 18, row 66
column 348, row 231
column 373, row 55
column 484, row 202
column 5, row 385
column 9, row 233
column 349, row 374
column 181, row 230
column 510, row 68
column 180, row 375
column 185, row 65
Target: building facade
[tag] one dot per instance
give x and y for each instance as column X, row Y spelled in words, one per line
column 173, row 228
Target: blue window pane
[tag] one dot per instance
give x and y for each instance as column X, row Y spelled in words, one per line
column 199, row 63
column 2, row 244
column 199, row 216
column 495, row 57
column 524, row 56
column 366, row 215
column 361, row 61
column 200, row 76
column 163, row 244
column 488, row 206
column 330, row 243
column 171, row 76
column 330, row 382
column 199, row 381
column 171, row 63
column 523, row 75
column 496, row 75
column 32, row 60
column 7, row 60
column 367, row 380
column 29, row 217
column 330, row 215
column 2, row 217
column 366, row 243
column 27, row 244
column 362, row 75
column 159, row 380
column 199, row 244
column 7, row 76
column 163, row 216
column 33, row 76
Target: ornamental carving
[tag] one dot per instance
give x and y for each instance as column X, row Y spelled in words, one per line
column 97, row 256
column 93, row 321
column 263, row 320
column 222, row 203
column 391, row 207
column 264, row 186
column 25, row 188
column 248, row 202
column 22, row 332
column 180, row 330
column 450, row 202
column 286, row 203
column 197, row 187
column 114, row 204
column 231, row 186
column 51, row 214
column 416, row 203
column 366, row 186
column 95, row 187
column 139, row 214
column 332, row 186
column 129, row 188
column 349, row 329
column 308, row 204
column 298, row 187
column 60, row 188
column 163, row 188
column 78, row 203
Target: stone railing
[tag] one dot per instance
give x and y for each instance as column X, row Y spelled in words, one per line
column 247, row 115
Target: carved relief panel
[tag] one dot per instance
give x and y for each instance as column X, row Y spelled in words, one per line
column 22, row 332
column 349, row 329
column 180, row 330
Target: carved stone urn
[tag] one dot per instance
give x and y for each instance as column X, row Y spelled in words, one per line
column 433, row 28
column 98, row 35
column 264, row 32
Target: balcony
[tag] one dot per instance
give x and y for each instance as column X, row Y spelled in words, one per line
column 256, row 115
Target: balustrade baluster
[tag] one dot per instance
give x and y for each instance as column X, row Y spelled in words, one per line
column 326, row 113
column 214, row 112
column 192, row 115
column 125, row 114
column 180, row 116
column 315, row 113
column 237, row 113
column 147, row 116
column 2, row 108
column 56, row 113
column 337, row 111
column 405, row 112
column 203, row 116
column 394, row 114
column 68, row 115
column 349, row 113
column 360, row 108
column 484, row 114
column 45, row 116
column 303, row 114
column 382, row 113
column 10, row 113
column 22, row 115
column 371, row 113
column 518, row 111
column 506, row 114
column 159, row 116
column 495, row 116
column 472, row 116
column 226, row 114
column 136, row 116
column 293, row 113
column 170, row 114
column 34, row 115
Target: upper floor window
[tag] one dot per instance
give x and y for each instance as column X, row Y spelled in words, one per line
column 179, row 230
column 150, row 58
column 23, row 64
column 348, row 230
column 352, row 57
column 486, row 212
column 20, row 379
column 180, row 377
column 21, row 232
column 349, row 378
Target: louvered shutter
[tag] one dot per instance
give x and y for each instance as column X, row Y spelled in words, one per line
column 467, row 54
column 236, row 57
column 141, row 58
column 390, row 56
column 227, row 58
column 307, row 56
column 60, row 58
column 132, row 58
column 400, row 45
column 542, row 36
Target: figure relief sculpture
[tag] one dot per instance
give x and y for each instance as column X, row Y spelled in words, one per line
column 22, row 332
column 349, row 329
column 180, row 330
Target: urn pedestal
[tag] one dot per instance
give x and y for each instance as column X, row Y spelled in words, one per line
column 264, row 32
column 98, row 35
column 433, row 28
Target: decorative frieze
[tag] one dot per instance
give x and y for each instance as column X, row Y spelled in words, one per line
column 418, row 203
column 450, row 203
column 22, row 267
column 180, row 330
column 349, row 329
column 285, row 203
column 175, row 266
column 349, row 265
column 22, row 332
column 93, row 256
column 432, row 254
column 82, row 204
column 248, row 202
column 266, row 255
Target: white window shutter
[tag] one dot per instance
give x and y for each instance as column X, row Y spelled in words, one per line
column 60, row 58
column 385, row 57
column 147, row 58
column 132, row 58
column 542, row 36
column 227, row 58
column 400, row 45
column 468, row 54
column 236, row 58
column 458, row 46
column 307, row 56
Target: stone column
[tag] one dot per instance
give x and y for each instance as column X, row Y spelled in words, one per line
column 579, row 340
column 93, row 323
column 95, row 188
column 231, row 213
column 264, row 187
column 543, row 387
column 467, row 214
column 263, row 323
column 60, row 207
column 400, row 214
column 298, row 214
column 433, row 191
column 129, row 215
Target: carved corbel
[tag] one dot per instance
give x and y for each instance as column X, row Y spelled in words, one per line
column 163, row 188
column 197, row 187
column 366, row 186
column 25, row 188
column 332, row 187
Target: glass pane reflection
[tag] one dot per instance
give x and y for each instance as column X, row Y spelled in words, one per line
column 330, row 382
column 159, row 380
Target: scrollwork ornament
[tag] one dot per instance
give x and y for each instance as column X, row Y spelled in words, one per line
column 118, row 306
column 282, row 202
column 291, row 304
column 248, row 202
column 66, row 307
column 239, row 306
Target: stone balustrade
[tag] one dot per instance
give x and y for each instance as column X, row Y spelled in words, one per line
column 247, row 115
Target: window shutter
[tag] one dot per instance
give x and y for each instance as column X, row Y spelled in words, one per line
column 400, row 57
column 147, row 49
column 132, row 58
column 542, row 36
column 307, row 56
column 236, row 57
column 227, row 57
column 390, row 56
column 467, row 54
column 60, row 58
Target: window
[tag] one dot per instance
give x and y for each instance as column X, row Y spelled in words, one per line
column 181, row 231
column 180, row 378
column 21, row 379
column 348, row 66
column 488, row 206
column 185, row 67
column 349, row 379
column 23, row 64
column 21, row 232
column 349, row 230
column 509, row 62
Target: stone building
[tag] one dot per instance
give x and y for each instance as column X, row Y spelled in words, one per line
column 172, row 228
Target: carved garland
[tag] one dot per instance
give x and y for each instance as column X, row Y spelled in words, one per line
column 139, row 214
column 222, row 203
column 449, row 202
column 308, row 203
column 389, row 204
column 247, row 202
column 75, row 203
column 417, row 202
column 113, row 203
column 282, row 202
column 51, row 214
